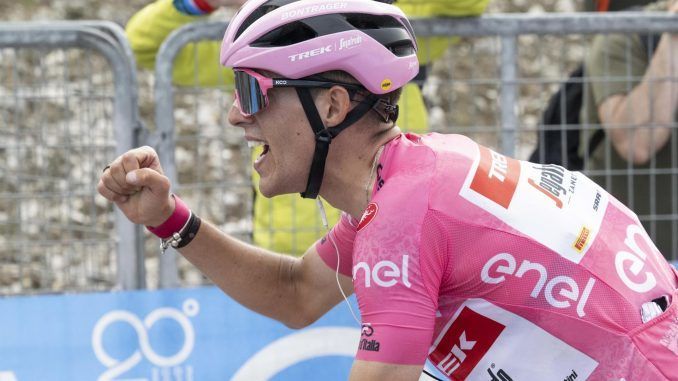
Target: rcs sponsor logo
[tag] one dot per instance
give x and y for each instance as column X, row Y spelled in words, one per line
column 366, row 342
column 460, row 347
column 496, row 177
column 503, row 264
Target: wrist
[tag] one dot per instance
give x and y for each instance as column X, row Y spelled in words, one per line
column 173, row 220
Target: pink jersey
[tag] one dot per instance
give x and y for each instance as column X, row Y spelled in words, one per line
column 500, row 269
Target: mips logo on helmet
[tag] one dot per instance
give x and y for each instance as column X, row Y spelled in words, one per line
column 168, row 368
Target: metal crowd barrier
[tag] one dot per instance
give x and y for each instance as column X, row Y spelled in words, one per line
column 476, row 88
column 68, row 105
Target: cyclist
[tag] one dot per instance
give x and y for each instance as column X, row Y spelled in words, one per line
column 287, row 223
column 491, row 267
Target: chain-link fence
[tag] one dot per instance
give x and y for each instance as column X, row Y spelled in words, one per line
column 489, row 78
column 67, row 106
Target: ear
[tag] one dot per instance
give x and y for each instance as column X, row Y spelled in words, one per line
column 333, row 105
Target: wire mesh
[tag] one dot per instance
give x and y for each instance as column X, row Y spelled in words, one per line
column 56, row 126
column 472, row 90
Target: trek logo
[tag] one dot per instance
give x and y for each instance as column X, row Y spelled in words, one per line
column 496, row 177
column 310, row 53
column 501, row 374
column 388, row 277
column 463, row 343
column 636, row 260
column 505, row 263
column 310, row 10
column 551, row 183
column 368, row 215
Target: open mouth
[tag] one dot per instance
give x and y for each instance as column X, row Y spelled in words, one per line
column 258, row 143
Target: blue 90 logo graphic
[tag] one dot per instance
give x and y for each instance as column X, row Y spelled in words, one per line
column 145, row 350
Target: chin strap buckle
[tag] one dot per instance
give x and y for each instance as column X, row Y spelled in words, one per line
column 323, row 136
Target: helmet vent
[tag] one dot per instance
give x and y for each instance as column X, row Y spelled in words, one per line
column 265, row 8
column 387, row 30
column 288, row 34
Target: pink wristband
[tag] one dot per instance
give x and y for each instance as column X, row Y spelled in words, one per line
column 175, row 222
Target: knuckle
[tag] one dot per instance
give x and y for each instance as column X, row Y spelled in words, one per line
column 164, row 183
column 110, row 183
column 127, row 156
column 148, row 149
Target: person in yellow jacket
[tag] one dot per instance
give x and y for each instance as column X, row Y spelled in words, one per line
column 287, row 223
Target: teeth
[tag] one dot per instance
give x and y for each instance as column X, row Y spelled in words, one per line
column 254, row 143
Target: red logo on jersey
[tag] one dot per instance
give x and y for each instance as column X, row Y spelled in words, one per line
column 459, row 349
column 496, row 177
column 368, row 215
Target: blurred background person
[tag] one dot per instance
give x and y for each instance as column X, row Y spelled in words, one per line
column 631, row 93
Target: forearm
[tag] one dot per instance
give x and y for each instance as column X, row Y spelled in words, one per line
column 639, row 123
column 262, row 281
column 367, row 371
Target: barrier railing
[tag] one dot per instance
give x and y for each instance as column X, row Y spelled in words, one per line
column 68, row 104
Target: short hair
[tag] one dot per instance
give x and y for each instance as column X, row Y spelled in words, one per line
column 341, row 76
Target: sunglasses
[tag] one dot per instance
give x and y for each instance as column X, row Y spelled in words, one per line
column 251, row 88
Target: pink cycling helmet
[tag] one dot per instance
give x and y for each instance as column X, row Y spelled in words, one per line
column 370, row 40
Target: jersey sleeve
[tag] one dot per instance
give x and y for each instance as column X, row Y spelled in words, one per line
column 397, row 282
column 337, row 245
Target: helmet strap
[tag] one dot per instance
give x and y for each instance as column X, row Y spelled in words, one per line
column 324, row 136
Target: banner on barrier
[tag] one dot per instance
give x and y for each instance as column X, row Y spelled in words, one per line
column 170, row 335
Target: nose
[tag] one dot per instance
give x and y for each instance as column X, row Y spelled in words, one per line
column 235, row 117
